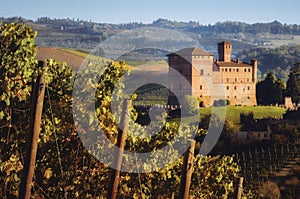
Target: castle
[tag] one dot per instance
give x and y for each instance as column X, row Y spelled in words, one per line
column 237, row 79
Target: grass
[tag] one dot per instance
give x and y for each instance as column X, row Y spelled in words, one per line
column 233, row 112
column 280, row 42
column 83, row 54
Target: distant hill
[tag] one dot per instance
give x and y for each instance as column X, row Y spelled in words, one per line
column 60, row 55
column 279, row 60
column 247, row 39
column 72, row 58
column 71, row 33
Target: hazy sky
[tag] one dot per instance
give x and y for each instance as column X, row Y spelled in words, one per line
column 120, row 11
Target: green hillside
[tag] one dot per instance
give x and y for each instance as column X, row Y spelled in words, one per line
column 233, row 112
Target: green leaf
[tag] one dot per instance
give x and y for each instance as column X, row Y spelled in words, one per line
column 1, row 115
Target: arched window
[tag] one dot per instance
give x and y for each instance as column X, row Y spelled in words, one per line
column 201, row 72
column 200, row 87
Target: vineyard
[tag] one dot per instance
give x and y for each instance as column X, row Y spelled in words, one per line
column 76, row 145
column 261, row 164
column 64, row 167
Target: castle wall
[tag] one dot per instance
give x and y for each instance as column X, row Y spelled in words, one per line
column 205, row 74
column 179, row 66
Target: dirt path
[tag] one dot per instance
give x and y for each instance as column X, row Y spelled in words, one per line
column 286, row 179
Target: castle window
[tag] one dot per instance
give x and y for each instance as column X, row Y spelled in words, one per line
column 235, row 79
column 222, row 69
column 229, row 69
column 248, row 88
column 248, row 97
column 235, row 88
column 237, row 70
column 249, row 70
column 200, row 87
column 245, row 69
column 201, row 72
column 235, row 97
column 227, row 87
column 225, row 69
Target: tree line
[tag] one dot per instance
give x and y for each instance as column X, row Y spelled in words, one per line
column 272, row 90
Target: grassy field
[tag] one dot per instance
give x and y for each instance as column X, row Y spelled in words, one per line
column 280, row 42
column 233, row 112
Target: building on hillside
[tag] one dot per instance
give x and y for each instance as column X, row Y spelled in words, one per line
column 237, row 79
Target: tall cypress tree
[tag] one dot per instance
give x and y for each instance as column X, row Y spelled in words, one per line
column 293, row 83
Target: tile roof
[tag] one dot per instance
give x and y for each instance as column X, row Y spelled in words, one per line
column 233, row 64
column 191, row 51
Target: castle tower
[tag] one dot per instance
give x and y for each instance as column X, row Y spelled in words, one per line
column 254, row 71
column 224, row 50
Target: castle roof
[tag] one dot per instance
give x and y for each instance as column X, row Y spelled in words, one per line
column 191, row 52
column 233, row 64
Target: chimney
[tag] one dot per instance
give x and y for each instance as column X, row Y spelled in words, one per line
column 254, row 71
column 224, row 50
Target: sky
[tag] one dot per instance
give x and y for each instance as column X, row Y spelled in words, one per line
column 123, row 11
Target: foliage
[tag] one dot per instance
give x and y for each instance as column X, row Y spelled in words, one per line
column 286, row 132
column 270, row 91
column 213, row 177
column 221, row 102
column 17, row 66
column 293, row 84
column 292, row 114
column 246, row 120
column 64, row 168
column 270, row 190
column 191, row 103
column 278, row 60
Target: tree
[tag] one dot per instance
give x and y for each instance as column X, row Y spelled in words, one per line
column 246, row 120
column 191, row 104
column 293, row 84
column 270, row 91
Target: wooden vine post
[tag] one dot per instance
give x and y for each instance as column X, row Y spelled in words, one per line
column 187, row 171
column 38, row 93
column 114, row 182
column 239, row 188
